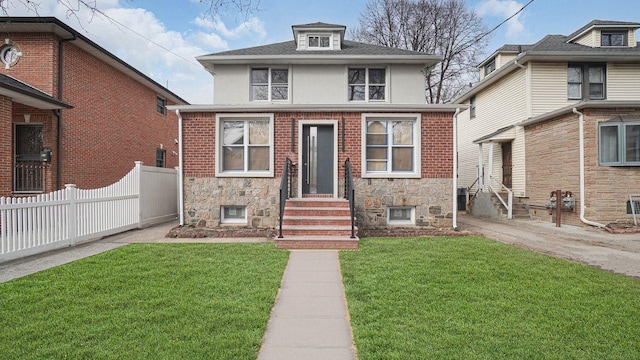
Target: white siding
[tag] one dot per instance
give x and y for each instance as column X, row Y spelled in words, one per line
column 503, row 59
column 622, row 81
column 591, row 39
column 548, row 87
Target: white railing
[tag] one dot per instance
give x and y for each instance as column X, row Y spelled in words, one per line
column 32, row 225
column 509, row 204
column 634, row 201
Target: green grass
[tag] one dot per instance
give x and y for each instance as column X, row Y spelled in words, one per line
column 473, row 298
column 160, row 301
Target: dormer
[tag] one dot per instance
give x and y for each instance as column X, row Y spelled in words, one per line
column 501, row 57
column 318, row 36
column 606, row 34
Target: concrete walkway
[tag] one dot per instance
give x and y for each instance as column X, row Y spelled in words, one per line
column 309, row 319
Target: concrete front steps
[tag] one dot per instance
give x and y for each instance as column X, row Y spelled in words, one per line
column 316, row 223
column 520, row 209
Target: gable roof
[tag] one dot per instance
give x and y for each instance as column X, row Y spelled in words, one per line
column 559, row 48
column 25, row 94
column 65, row 32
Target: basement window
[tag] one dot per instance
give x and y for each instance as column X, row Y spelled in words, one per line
column 233, row 214
column 401, row 216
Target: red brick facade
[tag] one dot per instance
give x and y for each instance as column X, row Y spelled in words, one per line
column 553, row 163
column 113, row 121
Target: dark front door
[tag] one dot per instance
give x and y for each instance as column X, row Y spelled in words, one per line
column 28, row 169
column 317, row 159
column 507, row 165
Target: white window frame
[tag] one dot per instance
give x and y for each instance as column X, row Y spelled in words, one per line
column 611, row 33
column 309, row 47
column 219, row 144
column 410, row 221
column 270, row 84
column 417, row 146
column 237, row 221
column 621, row 129
column 367, row 84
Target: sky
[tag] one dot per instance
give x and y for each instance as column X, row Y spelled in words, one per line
column 161, row 38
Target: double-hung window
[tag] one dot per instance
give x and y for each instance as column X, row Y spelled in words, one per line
column 161, row 105
column 245, row 145
column 586, row 81
column 619, row 143
column 391, row 145
column 472, row 107
column 269, row 84
column 367, row 84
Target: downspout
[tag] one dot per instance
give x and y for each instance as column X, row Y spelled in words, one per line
column 59, row 113
column 180, row 171
column 455, row 169
column 582, row 193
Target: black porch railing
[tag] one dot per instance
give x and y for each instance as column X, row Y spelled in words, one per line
column 350, row 194
column 286, row 190
column 28, row 176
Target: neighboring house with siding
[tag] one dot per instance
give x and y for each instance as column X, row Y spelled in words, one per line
column 563, row 113
column 73, row 113
column 318, row 100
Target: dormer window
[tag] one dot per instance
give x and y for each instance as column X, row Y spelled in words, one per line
column 319, row 42
column 613, row 38
column 490, row 67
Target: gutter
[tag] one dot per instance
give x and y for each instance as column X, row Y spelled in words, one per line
column 180, row 171
column 582, row 196
column 455, row 169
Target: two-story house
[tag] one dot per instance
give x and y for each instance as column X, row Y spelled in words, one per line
column 74, row 113
column 561, row 114
column 318, row 100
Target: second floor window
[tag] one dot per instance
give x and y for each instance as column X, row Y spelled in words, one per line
column 161, row 105
column 586, row 81
column 472, row 107
column 269, row 84
column 367, row 84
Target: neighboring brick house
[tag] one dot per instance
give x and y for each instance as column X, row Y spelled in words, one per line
column 318, row 99
column 539, row 107
column 85, row 112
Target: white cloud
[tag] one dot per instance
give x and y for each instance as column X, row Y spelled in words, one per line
column 503, row 9
column 252, row 27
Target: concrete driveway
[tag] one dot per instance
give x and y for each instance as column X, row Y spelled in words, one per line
column 618, row 253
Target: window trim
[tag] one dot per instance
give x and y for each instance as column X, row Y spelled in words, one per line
column 163, row 159
column 410, row 221
column 472, row 107
column 233, row 221
column 219, row 172
column 367, row 84
column 625, row 37
column 270, row 84
column 491, row 65
column 161, row 105
column 622, row 143
column 417, row 146
column 309, row 47
column 585, row 82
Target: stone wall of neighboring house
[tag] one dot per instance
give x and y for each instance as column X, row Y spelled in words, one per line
column 552, row 149
column 113, row 121
column 205, row 194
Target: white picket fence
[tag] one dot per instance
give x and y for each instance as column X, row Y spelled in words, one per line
column 33, row 225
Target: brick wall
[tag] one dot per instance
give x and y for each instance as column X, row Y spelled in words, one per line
column 114, row 120
column 6, row 147
column 552, row 163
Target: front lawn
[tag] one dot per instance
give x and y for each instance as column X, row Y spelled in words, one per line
column 473, row 298
column 145, row 301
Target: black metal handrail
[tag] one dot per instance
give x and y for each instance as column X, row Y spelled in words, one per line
column 286, row 190
column 350, row 194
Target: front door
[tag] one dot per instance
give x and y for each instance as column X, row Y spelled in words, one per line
column 317, row 160
column 28, row 170
column 507, row 165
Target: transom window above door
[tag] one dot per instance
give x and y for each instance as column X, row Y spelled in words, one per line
column 269, row 84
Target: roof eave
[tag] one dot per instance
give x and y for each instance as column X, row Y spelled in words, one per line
column 601, row 104
column 272, row 107
column 209, row 61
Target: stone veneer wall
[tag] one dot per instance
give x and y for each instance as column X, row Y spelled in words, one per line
column 204, row 198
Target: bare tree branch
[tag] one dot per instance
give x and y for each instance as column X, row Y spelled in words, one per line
column 444, row 27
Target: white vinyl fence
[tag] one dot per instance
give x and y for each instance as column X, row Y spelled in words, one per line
column 33, row 225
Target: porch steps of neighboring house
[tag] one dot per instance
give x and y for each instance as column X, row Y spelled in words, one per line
column 520, row 209
column 316, row 223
